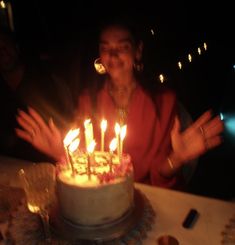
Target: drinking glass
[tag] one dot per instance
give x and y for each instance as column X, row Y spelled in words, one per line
column 38, row 182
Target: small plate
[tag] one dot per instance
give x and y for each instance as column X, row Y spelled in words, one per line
column 72, row 232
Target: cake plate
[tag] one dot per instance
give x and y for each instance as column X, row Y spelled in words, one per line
column 108, row 232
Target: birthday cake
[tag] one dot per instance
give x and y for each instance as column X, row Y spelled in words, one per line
column 100, row 196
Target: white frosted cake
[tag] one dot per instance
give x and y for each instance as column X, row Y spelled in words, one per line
column 99, row 197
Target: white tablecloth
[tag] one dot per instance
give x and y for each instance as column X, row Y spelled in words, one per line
column 171, row 207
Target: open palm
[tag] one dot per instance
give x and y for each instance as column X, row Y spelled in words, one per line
column 202, row 135
column 44, row 137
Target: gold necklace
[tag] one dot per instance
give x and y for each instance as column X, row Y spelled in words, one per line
column 122, row 114
column 121, row 98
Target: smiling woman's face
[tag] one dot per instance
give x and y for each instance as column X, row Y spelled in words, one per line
column 117, row 50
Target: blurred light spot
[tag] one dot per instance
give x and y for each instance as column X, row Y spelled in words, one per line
column 152, row 31
column 190, row 57
column 234, row 67
column 229, row 123
column 161, row 78
column 199, row 51
column 2, row 5
column 221, row 116
column 180, row 65
column 205, row 46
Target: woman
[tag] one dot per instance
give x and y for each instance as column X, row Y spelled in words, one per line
column 158, row 148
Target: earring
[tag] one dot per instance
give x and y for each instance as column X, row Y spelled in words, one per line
column 99, row 66
column 138, row 66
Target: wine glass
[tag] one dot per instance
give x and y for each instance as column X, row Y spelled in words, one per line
column 38, row 182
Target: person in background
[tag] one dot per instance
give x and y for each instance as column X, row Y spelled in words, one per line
column 25, row 81
column 124, row 93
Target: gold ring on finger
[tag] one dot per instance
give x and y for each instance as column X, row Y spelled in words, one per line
column 202, row 131
column 32, row 133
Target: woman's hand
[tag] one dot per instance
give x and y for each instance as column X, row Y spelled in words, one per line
column 44, row 137
column 202, row 135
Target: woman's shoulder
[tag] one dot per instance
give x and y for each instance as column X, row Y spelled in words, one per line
column 164, row 99
column 164, row 91
column 165, row 95
column 155, row 89
column 161, row 94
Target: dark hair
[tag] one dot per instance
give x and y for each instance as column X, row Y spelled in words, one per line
column 125, row 21
column 140, row 31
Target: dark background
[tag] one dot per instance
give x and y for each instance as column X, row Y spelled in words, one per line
column 180, row 27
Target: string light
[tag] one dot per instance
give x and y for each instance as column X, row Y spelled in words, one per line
column 2, row 5
column 199, row 51
column 180, row 65
column 190, row 57
column 161, row 78
column 205, row 46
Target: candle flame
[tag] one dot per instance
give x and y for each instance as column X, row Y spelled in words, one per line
column 88, row 132
column 113, row 145
column 103, row 125
column 74, row 145
column 117, row 128
column 87, row 122
column 91, row 146
column 123, row 132
column 71, row 135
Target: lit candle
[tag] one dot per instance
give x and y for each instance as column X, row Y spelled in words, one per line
column 117, row 132
column 69, row 138
column 88, row 132
column 90, row 150
column 122, row 136
column 112, row 148
column 103, row 126
column 71, row 148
